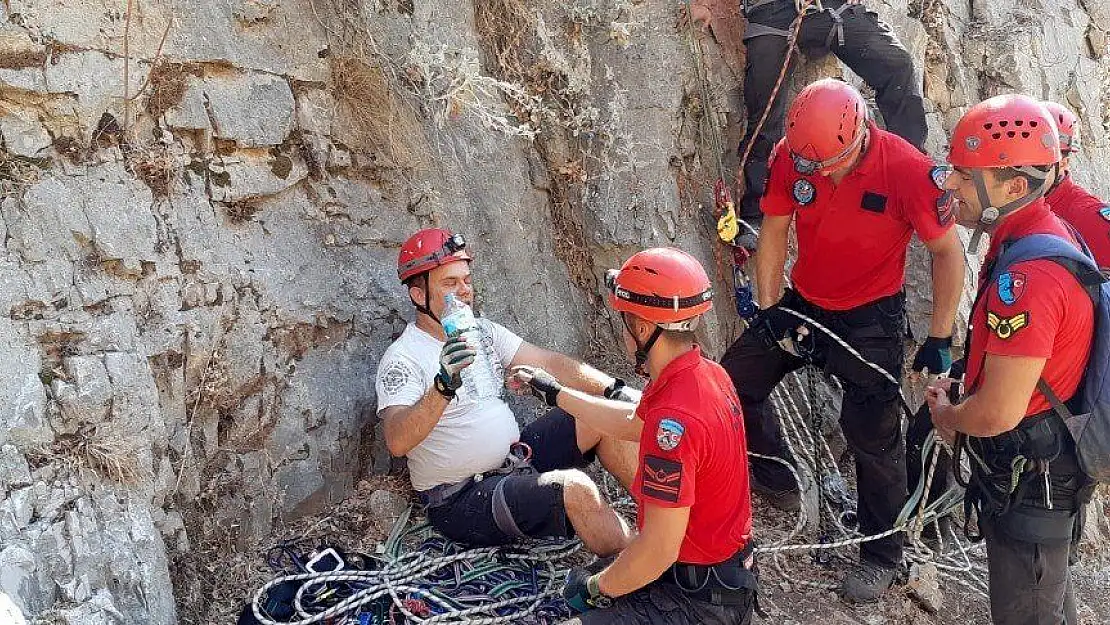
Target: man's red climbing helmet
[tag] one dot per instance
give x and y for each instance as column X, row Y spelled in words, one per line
column 825, row 125
column 663, row 285
column 1005, row 131
column 428, row 249
column 1067, row 123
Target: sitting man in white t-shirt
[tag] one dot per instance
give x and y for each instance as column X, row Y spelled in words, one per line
column 461, row 450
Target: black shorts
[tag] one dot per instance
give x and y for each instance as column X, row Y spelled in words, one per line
column 537, row 508
column 663, row 604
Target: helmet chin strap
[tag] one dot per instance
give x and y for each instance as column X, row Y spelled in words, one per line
column 992, row 213
column 426, row 307
column 642, row 351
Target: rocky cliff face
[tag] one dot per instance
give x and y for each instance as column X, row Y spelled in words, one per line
column 202, row 204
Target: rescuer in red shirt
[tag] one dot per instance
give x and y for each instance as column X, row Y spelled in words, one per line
column 1033, row 322
column 691, row 561
column 1086, row 213
column 856, row 195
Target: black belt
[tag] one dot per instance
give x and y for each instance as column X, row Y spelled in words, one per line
column 728, row 583
column 519, row 459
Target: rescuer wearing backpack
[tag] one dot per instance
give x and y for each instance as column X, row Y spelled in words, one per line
column 1088, row 214
column 1034, row 340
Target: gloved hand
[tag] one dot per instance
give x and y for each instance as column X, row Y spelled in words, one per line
column 541, row 383
column 619, row 391
column 455, row 356
column 773, row 325
column 583, row 592
column 935, row 355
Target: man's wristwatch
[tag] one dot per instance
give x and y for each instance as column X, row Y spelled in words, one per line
column 442, row 388
column 597, row 598
column 614, row 387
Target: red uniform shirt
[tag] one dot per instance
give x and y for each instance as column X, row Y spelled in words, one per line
column 852, row 237
column 693, row 455
column 1086, row 213
column 1036, row 309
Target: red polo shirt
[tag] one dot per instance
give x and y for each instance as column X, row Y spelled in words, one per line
column 1086, row 213
column 852, row 237
column 693, row 455
column 1036, row 309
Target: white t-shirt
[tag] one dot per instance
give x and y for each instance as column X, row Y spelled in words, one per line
column 472, row 436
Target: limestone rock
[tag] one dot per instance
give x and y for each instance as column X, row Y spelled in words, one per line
column 9, row 612
column 22, row 396
column 14, row 472
column 23, row 136
column 249, row 108
column 924, row 586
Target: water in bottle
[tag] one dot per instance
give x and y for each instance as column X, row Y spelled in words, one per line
column 479, row 380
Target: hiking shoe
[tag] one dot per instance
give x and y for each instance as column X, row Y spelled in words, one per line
column 787, row 500
column 866, row 582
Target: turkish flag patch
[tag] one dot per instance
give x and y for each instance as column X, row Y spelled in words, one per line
column 662, row 479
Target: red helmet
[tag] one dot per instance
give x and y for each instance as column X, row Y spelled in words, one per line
column 663, row 285
column 1068, row 124
column 1005, row 131
column 428, row 249
column 825, row 125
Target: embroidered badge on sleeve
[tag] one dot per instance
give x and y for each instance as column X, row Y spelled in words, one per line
column 1010, row 286
column 1005, row 327
column 669, row 434
column 662, row 479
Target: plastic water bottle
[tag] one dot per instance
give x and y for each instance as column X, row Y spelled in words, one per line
column 479, row 379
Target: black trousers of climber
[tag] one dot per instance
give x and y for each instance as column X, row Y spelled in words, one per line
column 870, row 414
column 870, row 49
column 1028, row 543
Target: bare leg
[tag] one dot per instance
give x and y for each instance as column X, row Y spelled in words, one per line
column 601, row 529
column 621, row 458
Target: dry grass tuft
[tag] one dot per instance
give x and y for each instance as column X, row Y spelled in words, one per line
column 102, row 450
column 372, row 115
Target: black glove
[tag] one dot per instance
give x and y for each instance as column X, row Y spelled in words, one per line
column 582, row 592
column 773, row 324
column 456, row 356
column 935, row 355
column 619, row 391
column 541, row 383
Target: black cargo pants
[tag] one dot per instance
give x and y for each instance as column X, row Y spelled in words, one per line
column 870, row 49
column 870, row 415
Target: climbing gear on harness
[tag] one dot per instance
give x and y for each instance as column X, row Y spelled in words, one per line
column 791, row 48
column 1013, row 131
column 1067, row 123
column 734, row 582
column 423, row 252
column 825, row 126
column 1089, row 422
column 664, row 286
column 519, row 460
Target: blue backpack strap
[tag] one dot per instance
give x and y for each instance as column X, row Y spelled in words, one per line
column 1079, row 262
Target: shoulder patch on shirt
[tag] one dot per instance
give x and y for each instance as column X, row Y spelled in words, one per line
column 1105, row 212
column 946, row 207
column 662, row 478
column 1005, row 327
column 397, row 375
column 939, row 175
column 873, row 202
column 804, row 192
column 669, row 434
column 1011, row 286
